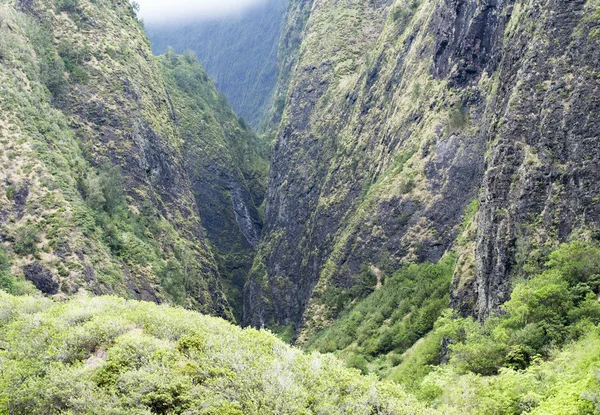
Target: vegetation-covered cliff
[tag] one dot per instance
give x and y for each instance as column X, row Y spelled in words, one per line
column 97, row 180
column 227, row 165
column 239, row 52
column 414, row 128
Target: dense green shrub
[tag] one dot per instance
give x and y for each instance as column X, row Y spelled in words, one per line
column 51, row 66
column 73, row 57
column 68, row 6
column 9, row 282
column 393, row 317
column 26, row 240
column 107, row 355
column 104, row 189
column 545, row 311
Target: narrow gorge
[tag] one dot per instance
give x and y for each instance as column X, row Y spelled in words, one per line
column 401, row 215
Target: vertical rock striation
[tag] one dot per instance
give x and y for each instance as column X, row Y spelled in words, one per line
column 397, row 118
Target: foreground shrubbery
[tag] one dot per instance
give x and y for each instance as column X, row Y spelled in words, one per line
column 541, row 355
column 557, row 304
column 111, row 356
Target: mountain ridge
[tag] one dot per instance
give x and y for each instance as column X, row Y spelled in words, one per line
column 238, row 52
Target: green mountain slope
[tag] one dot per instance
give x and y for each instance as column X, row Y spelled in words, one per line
column 391, row 316
column 238, row 52
column 431, row 215
column 106, row 355
column 102, row 169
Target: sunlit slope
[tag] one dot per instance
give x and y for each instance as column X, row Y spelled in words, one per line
column 106, row 355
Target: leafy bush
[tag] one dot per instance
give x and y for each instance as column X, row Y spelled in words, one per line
column 458, row 118
column 73, row 57
column 68, row 6
column 10, row 192
column 11, row 283
column 26, row 240
column 104, row 190
column 6, row 280
column 51, row 66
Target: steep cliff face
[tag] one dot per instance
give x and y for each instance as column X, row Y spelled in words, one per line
column 97, row 182
column 542, row 172
column 290, row 40
column 414, row 128
column 227, row 165
column 238, row 52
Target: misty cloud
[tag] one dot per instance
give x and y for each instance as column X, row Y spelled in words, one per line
column 170, row 11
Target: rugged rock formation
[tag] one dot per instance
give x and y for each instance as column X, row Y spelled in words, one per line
column 404, row 130
column 417, row 127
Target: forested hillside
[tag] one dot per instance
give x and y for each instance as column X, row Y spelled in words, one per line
column 98, row 193
column 238, row 52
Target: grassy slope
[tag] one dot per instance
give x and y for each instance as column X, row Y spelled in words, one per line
column 106, row 355
column 374, row 332
column 539, row 356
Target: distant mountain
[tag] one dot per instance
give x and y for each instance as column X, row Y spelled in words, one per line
column 240, row 54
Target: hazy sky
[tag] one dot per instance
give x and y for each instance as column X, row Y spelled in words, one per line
column 169, row 11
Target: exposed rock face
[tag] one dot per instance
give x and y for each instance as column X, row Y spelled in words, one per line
column 541, row 179
column 402, row 117
column 248, row 223
column 41, row 278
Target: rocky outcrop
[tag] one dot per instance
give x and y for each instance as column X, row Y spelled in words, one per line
column 405, row 115
column 41, row 278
